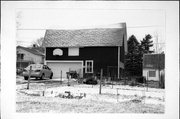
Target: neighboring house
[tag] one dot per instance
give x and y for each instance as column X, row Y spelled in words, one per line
column 154, row 67
column 25, row 56
column 86, row 51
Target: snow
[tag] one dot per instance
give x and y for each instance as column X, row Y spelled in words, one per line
column 109, row 92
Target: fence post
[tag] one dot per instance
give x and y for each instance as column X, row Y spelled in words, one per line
column 100, row 81
column 147, row 82
column 61, row 77
column 117, row 94
column 29, row 77
column 69, row 77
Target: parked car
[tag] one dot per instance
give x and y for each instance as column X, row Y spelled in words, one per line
column 38, row 71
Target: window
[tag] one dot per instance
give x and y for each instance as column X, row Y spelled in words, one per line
column 152, row 73
column 20, row 56
column 73, row 52
column 58, row 52
column 89, row 66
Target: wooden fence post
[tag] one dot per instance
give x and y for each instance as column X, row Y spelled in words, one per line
column 61, row 77
column 147, row 82
column 117, row 94
column 100, row 81
column 29, row 77
column 69, row 77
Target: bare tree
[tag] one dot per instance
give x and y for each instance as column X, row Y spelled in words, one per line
column 38, row 42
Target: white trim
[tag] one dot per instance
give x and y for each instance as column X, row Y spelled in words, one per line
column 118, row 62
column 45, row 56
column 86, row 66
column 64, row 61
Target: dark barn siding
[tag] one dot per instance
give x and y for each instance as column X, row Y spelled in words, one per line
column 101, row 56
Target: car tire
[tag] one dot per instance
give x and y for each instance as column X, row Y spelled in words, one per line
column 51, row 76
column 42, row 77
column 25, row 78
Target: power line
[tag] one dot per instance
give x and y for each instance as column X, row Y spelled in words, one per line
column 126, row 27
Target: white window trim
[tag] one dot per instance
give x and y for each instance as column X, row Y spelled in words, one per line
column 86, row 66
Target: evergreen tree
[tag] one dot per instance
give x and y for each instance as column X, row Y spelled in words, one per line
column 134, row 57
column 133, row 60
column 146, row 43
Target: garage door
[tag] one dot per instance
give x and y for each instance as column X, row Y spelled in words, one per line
column 56, row 67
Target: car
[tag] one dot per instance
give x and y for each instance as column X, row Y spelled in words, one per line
column 40, row 71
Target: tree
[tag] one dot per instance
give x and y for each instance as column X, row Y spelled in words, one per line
column 38, row 42
column 133, row 61
column 134, row 57
column 146, row 43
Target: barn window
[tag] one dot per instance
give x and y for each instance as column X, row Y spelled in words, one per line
column 58, row 52
column 152, row 73
column 73, row 52
column 89, row 66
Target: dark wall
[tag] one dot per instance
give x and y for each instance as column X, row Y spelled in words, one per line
column 154, row 61
column 101, row 56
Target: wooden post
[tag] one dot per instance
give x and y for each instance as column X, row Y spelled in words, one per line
column 61, row 77
column 29, row 77
column 100, row 81
column 147, row 82
column 69, row 76
column 118, row 62
column 117, row 94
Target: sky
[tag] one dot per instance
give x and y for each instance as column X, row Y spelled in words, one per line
column 32, row 23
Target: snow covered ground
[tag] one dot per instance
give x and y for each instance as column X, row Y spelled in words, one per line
column 46, row 91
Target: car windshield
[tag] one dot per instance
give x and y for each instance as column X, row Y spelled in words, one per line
column 34, row 66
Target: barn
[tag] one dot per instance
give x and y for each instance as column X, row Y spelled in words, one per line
column 86, row 51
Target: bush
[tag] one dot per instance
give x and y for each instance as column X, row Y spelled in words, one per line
column 73, row 74
column 141, row 79
column 90, row 80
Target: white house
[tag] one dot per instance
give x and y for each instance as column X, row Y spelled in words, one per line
column 28, row 55
column 154, row 67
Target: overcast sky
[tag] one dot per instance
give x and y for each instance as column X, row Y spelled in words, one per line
column 33, row 22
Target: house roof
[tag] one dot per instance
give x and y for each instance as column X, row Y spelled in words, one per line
column 154, row 61
column 32, row 50
column 84, row 37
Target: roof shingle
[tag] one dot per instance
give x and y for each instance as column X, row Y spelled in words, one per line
column 84, row 37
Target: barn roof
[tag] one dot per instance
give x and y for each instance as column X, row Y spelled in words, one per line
column 84, row 37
